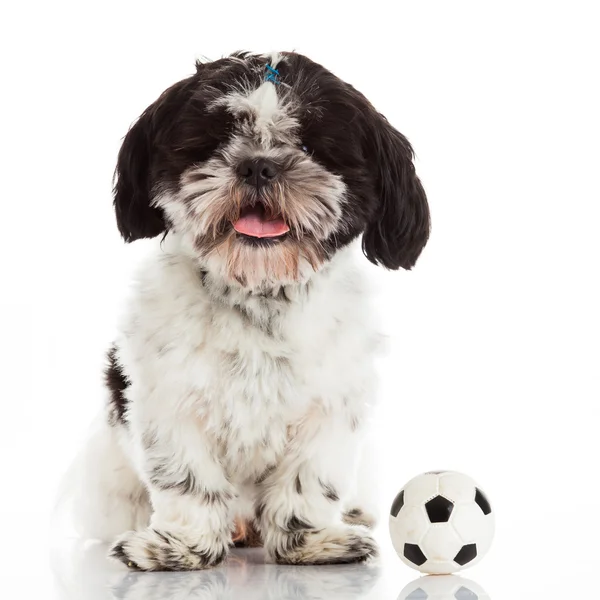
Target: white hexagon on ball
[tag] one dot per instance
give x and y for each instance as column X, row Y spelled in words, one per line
column 457, row 486
column 469, row 521
column 441, row 523
column 441, row 543
column 412, row 528
column 423, row 486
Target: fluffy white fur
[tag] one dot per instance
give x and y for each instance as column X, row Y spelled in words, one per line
column 216, row 403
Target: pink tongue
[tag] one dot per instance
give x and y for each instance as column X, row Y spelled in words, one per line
column 255, row 225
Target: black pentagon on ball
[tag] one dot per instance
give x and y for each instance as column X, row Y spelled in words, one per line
column 397, row 504
column 418, row 594
column 482, row 502
column 439, row 509
column 413, row 553
column 466, row 594
column 467, row 554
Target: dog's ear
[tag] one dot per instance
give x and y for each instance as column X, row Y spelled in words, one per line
column 399, row 227
column 137, row 217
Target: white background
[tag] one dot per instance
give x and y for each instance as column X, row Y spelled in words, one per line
column 495, row 334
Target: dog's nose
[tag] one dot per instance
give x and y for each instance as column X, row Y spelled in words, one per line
column 257, row 171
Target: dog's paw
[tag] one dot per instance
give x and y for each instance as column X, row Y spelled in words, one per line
column 334, row 545
column 153, row 550
column 357, row 516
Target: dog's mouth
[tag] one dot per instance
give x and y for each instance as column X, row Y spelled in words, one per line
column 255, row 222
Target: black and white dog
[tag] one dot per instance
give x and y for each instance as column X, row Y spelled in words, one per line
column 242, row 376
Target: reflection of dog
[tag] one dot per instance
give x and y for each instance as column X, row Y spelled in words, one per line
column 241, row 379
column 85, row 573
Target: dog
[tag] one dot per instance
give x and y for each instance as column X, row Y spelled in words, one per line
column 239, row 387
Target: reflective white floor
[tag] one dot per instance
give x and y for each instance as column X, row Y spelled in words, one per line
column 85, row 573
column 82, row 572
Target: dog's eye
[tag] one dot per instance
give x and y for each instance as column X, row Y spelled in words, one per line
column 305, row 149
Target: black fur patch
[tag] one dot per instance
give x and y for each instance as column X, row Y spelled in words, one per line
column 295, row 524
column 117, row 383
column 118, row 552
column 204, row 277
column 329, row 491
column 298, row 484
column 290, row 544
column 185, row 482
column 282, row 295
column 215, row 497
column 265, row 474
column 165, row 480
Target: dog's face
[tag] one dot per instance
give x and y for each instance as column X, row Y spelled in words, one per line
column 267, row 165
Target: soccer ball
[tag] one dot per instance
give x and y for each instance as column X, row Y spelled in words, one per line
column 441, row 523
column 444, row 587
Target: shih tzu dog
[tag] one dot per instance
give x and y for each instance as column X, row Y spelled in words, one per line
column 240, row 383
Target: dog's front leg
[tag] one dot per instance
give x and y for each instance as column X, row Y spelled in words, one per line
column 300, row 507
column 191, row 498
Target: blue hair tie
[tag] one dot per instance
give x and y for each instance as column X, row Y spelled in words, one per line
column 272, row 75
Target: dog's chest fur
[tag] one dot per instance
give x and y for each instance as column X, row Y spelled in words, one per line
column 252, row 368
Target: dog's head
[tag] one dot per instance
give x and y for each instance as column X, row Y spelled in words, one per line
column 267, row 165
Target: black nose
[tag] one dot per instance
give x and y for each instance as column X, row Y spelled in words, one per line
column 258, row 171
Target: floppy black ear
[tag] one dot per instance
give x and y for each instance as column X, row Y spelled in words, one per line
column 138, row 162
column 136, row 217
column 399, row 227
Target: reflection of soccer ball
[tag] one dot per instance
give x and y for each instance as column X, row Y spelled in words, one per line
column 441, row 523
column 446, row 587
